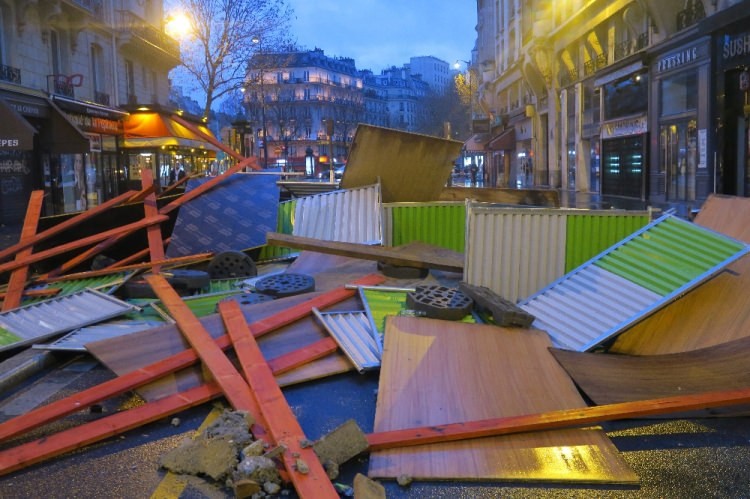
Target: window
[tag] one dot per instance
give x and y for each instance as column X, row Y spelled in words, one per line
column 55, row 55
column 130, row 81
column 626, row 97
column 97, row 78
column 679, row 93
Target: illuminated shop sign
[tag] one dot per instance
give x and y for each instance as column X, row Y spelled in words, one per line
column 736, row 46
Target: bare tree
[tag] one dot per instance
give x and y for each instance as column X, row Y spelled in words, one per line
column 216, row 54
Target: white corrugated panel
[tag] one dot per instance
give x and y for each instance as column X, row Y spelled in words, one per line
column 586, row 303
column 347, row 215
column 515, row 252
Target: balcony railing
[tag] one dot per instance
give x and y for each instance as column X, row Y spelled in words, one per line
column 11, row 74
column 130, row 24
column 95, row 7
column 593, row 65
column 688, row 17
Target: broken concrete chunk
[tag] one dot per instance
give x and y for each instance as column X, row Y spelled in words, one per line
column 364, row 488
column 504, row 312
column 302, row 466
column 215, row 458
column 342, row 444
column 245, row 488
column 257, row 468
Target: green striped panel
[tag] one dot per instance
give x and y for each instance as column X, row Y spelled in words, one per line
column 587, row 235
column 441, row 225
column 669, row 255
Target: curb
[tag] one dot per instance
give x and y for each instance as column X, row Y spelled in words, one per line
column 22, row 366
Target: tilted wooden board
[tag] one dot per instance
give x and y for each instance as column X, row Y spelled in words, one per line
column 439, row 372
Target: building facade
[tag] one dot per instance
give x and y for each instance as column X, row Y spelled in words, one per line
column 638, row 101
column 72, row 73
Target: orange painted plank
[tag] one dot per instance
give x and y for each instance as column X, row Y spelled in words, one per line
column 19, row 276
column 153, row 232
column 38, row 293
column 37, row 257
column 71, row 222
column 301, row 356
column 280, row 421
column 24, row 455
column 140, row 255
column 180, row 260
column 566, row 418
column 226, row 375
column 186, row 358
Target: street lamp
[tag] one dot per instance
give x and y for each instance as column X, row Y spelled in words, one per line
column 256, row 40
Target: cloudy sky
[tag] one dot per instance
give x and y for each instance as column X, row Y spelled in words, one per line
column 378, row 34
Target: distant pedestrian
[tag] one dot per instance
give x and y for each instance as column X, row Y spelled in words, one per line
column 181, row 173
column 473, row 169
column 172, row 176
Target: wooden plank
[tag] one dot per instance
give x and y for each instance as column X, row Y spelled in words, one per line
column 281, row 423
column 50, row 446
column 153, row 232
column 18, row 277
column 212, row 140
column 71, row 222
column 608, row 378
column 167, row 365
column 435, row 373
column 180, row 260
column 366, row 252
column 522, row 197
column 567, row 418
column 504, row 312
column 223, row 371
column 58, row 250
column 37, row 293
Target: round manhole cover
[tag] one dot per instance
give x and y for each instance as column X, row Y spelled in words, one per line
column 440, row 302
column 287, row 284
column 228, row 264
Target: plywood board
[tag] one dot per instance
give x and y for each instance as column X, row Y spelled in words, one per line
column 525, row 197
column 409, row 166
column 438, row 372
column 610, row 379
column 717, row 311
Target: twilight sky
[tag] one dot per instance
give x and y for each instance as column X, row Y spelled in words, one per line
column 379, row 34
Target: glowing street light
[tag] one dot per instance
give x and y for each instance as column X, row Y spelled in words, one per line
column 178, row 25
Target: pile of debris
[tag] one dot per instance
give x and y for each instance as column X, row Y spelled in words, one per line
column 483, row 345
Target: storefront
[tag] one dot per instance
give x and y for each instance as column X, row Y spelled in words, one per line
column 732, row 49
column 680, row 173
column 155, row 141
column 623, row 156
column 53, row 156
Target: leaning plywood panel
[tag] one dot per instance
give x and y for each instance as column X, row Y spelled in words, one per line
column 437, row 372
column 717, row 311
column 629, row 281
column 409, row 166
column 348, row 215
column 611, row 379
column 233, row 216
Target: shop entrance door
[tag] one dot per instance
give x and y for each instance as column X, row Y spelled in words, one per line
column 623, row 166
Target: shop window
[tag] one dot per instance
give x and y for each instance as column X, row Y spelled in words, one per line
column 679, row 93
column 623, row 161
column 679, row 158
column 626, row 97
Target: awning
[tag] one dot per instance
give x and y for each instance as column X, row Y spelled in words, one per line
column 477, row 142
column 158, row 130
column 503, row 142
column 16, row 134
column 64, row 137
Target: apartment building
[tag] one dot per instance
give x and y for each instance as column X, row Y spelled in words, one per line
column 639, row 101
column 73, row 75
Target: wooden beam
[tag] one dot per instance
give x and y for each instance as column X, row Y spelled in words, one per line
column 168, row 365
column 393, row 256
column 153, row 232
column 24, row 455
column 71, row 222
column 223, row 371
column 281, row 423
column 37, row 293
column 212, row 140
column 552, row 420
column 58, row 250
column 18, row 277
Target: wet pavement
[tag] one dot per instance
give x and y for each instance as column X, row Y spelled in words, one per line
column 674, row 457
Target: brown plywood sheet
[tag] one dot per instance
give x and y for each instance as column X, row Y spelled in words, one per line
column 715, row 312
column 437, row 372
column 126, row 353
column 528, row 197
column 409, row 166
column 610, row 379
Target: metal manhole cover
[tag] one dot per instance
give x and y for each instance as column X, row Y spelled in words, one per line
column 228, row 264
column 248, row 298
column 287, row 284
column 440, row 302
